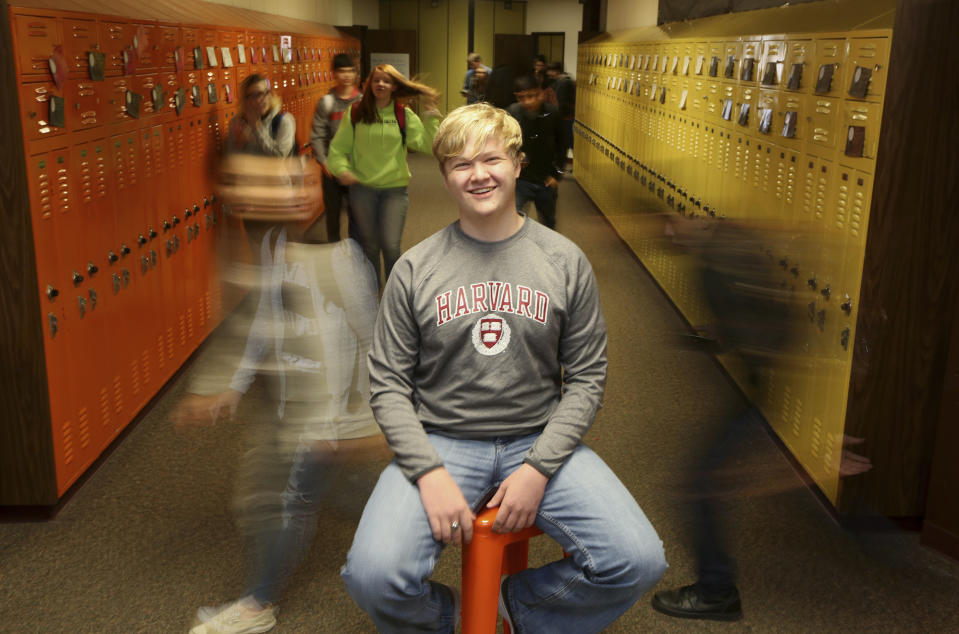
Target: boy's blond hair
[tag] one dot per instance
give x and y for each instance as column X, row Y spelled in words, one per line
column 478, row 121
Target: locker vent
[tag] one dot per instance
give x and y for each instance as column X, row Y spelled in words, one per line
column 787, row 404
column 817, row 439
column 189, row 323
column 182, row 330
column 827, row 459
column 117, row 395
column 104, row 407
column 842, row 207
column 67, row 434
column 797, row 417
column 161, row 353
column 169, row 342
column 855, row 219
column 83, row 422
column 145, row 365
column 135, row 376
column 209, row 306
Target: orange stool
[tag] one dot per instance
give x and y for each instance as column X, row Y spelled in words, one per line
column 489, row 556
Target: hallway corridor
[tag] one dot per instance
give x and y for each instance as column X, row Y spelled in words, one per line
column 151, row 533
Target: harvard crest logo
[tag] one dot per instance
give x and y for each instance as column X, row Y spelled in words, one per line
column 491, row 335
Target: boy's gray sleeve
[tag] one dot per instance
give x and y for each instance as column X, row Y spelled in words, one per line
column 320, row 133
column 582, row 353
column 392, row 363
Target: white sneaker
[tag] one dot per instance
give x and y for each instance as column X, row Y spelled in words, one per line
column 502, row 609
column 234, row 618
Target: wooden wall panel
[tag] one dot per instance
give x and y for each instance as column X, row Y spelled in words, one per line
column 26, row 464
column 911, row 266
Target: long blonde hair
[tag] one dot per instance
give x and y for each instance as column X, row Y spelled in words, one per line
column 406, row 89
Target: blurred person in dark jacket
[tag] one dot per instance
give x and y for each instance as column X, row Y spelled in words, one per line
column 753, row 322
column 544, row 149
column 565, row 89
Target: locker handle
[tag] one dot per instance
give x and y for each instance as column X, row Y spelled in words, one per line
column 825, row 292
column 82, row 305
column 846, row 306
column 187, row 213
column 812, row 282
column 52, row 293
column 166, row 225
column 112, row 257
column 141, row 240
column 92, row 268
column 53, row 324
column 124, row 250
column 152, row 233
column 795, row 270
column 844, row 338
column 77, row 278
column 176, row 221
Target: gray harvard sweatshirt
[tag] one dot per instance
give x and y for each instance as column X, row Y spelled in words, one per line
column 488, row 339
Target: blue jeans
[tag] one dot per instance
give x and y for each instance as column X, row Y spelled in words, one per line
column 543, row 197
column 380, row 215
column 281, row 550
column 615, row 554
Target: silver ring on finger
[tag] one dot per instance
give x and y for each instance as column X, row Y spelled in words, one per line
column 454, row 526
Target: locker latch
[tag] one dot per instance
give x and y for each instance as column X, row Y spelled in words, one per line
column 846, row 306
column 844, row 338
column 92, row 268
column 52, row 292
column 141, row 240
column 825, row 292
column 77, row 278
column 53, row 324
column 152, row 233
column 812, row 282
column 153, row 258
column 821, row 320
column 93, row 299
column 116, row 283
column 812, row 312
column 112, row 257
column 124, row 250
column 144, row 264
column 82, row 305
column 125, row 277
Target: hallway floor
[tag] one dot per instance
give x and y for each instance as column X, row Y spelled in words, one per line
column 151, row 534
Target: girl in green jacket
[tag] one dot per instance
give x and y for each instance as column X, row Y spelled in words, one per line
column 368, row 154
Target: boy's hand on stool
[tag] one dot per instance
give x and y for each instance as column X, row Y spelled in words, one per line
column 518, row 499
column 444, row 504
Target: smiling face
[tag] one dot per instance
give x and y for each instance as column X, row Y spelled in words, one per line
column 382, row 85
column 484, row 185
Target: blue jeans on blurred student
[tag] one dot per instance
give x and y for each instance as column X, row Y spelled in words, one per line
column 281, row 549
column 543, row 197
column 380, row 215
column 615, row 554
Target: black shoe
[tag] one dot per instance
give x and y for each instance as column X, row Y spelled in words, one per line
column 687, row 603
